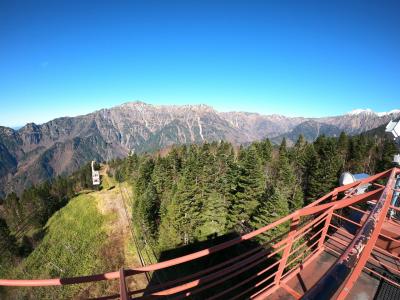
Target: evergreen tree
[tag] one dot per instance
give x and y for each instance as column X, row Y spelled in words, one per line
column 273, row 207
column 188, row 198
column 343, row 148
column 247, row 187
column 131, row 166
column 14, row 215
column 264, row 150
column 148, row 210
column 283, row 147
column 389, row 149
column 163, row 175
column 7, row 249
column 300, row 143
column 144, row 176
column 214, row 215
column 37, row 201
column 298, row 159
column 324, row 168
column 170, row 234
column 358, row 153
column 311, row 165
column 285, row 180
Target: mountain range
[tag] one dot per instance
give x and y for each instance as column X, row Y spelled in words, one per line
column 34, row 153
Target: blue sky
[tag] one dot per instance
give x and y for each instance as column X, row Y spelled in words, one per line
column 308, row 58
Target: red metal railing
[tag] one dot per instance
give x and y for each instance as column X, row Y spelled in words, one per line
column 349, row 265
column 272, row 263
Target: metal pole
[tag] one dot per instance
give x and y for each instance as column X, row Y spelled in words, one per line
column 123, row 293
column 288, row 248
column 326, row 227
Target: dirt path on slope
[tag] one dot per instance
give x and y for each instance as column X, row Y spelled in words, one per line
column 111, row 202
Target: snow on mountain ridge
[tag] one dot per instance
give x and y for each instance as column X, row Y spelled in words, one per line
column 360, row 111
column 369, row 111
column 393, row 111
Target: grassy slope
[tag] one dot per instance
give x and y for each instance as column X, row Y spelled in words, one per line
column 85, row 237
column 72, row 245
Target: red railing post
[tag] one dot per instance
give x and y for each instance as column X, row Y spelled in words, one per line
column 326, row 227
column 286, row 252
column 334, row 196
column 123, row 292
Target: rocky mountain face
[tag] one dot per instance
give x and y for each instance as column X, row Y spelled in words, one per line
column 34, row 153
column 310, row 130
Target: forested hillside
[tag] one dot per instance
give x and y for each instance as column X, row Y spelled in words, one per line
column 22, row 219
column 200, row 191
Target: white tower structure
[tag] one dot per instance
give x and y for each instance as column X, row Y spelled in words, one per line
column 394, row 128
column 95, row 175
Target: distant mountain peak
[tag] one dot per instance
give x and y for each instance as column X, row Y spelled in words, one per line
column 29, row 127
column 136, row 103
column 369, row 111
column 361, row 111
column 392, row 112
column 143, row 105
